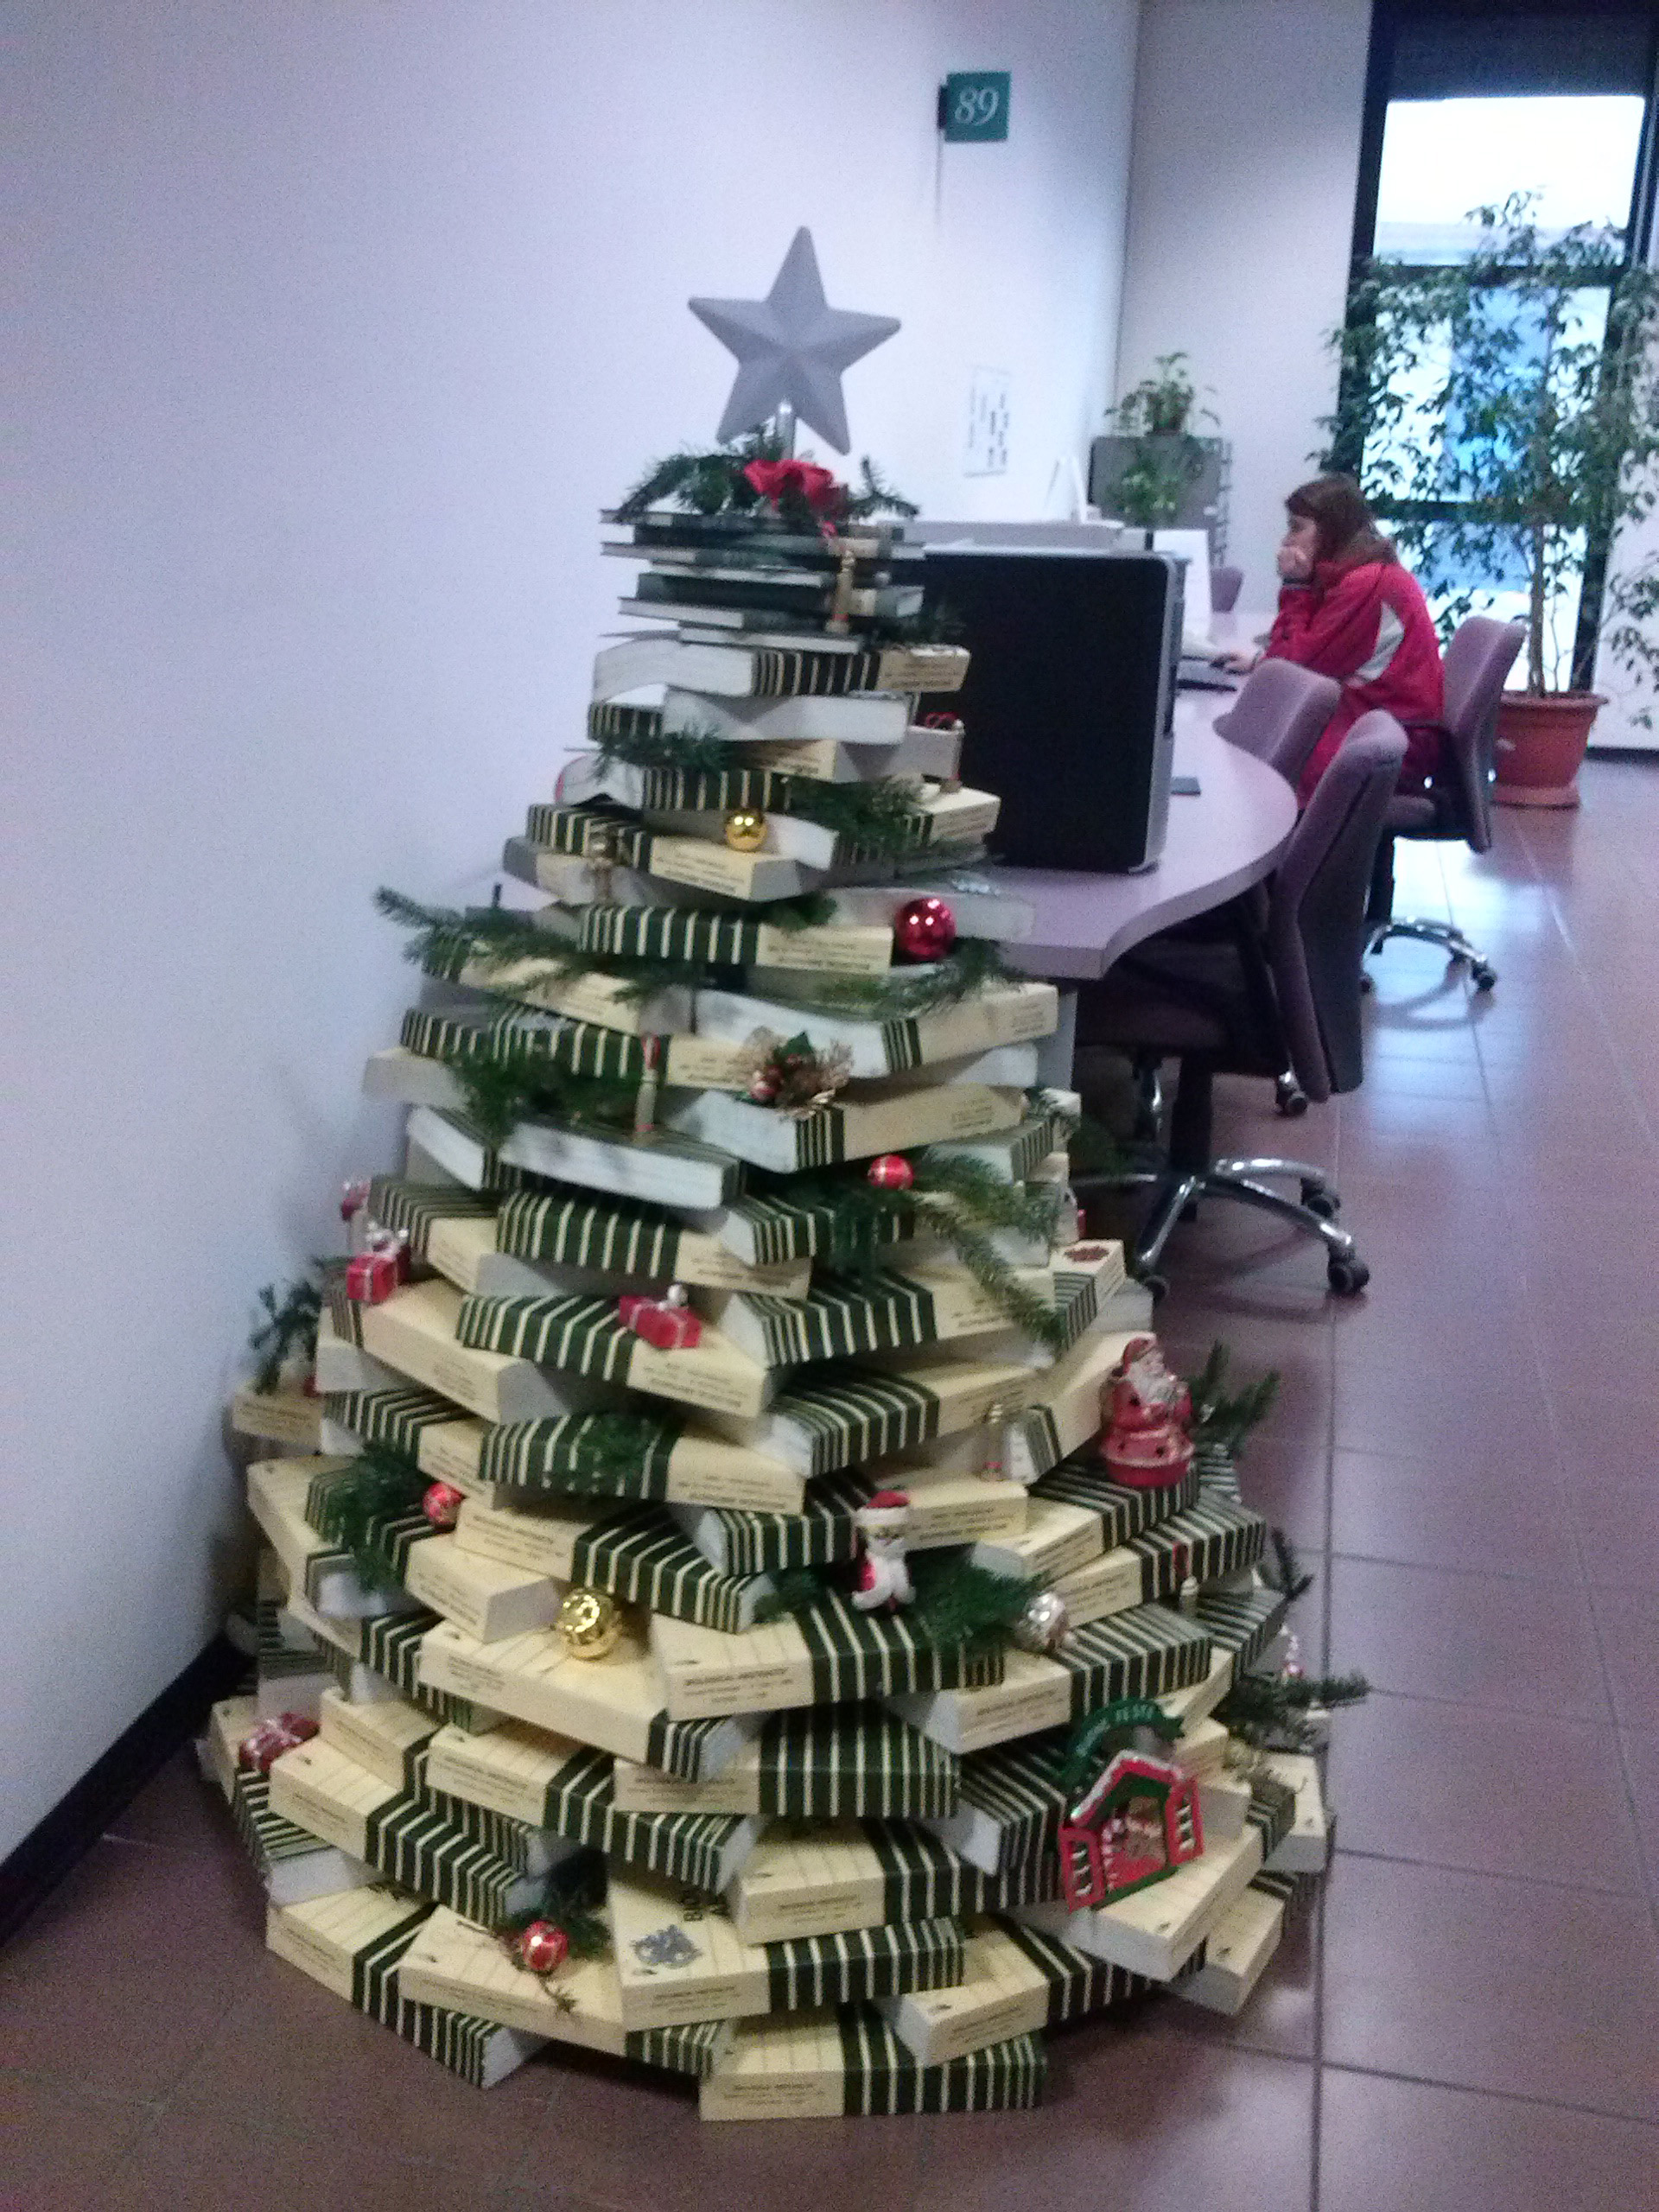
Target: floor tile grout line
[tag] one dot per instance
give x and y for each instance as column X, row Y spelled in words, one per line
column 1638, row 1896
column 1499, row 2096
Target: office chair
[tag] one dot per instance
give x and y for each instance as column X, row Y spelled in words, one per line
column 1243, row 1008
column 1280, row 714
column 1458, row 804
column 1279, row 717
column 1225, row 587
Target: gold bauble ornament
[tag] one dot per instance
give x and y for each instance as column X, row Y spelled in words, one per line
column 745, row 830
column 589, row 1622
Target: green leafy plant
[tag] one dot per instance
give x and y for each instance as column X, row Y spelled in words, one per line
column 1168, row 456
column 1500, row 431
column 290, row 1326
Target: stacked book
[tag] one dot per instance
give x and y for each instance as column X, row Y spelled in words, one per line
column 693, row 1546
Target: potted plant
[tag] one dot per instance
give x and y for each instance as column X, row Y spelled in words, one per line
column 1502, row 413
column 1146, row 472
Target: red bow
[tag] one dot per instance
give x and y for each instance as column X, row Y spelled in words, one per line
column 817, row 486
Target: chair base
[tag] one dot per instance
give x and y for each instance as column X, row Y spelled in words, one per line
column 1178, row 1191
column 1451, row 941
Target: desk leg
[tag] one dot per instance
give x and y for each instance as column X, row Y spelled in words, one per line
column 1055, row 1055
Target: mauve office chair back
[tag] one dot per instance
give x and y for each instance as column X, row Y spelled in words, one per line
column 1280, row 714
column 1457, row 805
column 1244, row 1006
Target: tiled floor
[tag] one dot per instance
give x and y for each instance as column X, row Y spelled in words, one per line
column 1471, row 2024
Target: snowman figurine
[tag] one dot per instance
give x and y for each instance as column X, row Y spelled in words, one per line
column 883, row 1578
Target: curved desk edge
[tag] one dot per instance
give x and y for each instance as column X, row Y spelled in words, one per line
column 1219, row 844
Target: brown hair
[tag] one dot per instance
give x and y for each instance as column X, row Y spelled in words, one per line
column 1347, row 528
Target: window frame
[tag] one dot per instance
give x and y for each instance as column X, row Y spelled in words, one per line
column 1388, row 18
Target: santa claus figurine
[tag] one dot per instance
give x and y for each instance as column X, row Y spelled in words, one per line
column 883, row 1578
column 1146, row 1411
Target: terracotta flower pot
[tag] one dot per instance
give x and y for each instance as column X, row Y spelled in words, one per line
column 1540, row 742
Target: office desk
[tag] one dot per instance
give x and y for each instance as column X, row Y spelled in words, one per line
column 1218, row 843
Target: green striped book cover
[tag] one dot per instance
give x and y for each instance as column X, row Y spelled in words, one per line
column 1205, row 1541
column 821, row 1533
column 1124, row 1512
column 413, row 1208
column 1243, row 1623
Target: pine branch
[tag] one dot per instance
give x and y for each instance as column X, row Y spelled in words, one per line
column 291, row 1326
column 957, row 1602
column 799, row 1591
column 1272, row 1711
column 445, row 941
column 574, row 1901
column 502, row 1093
column 1222, row 1423
column 904, row 993
column 1287, row 1576
column 381, row 1485
column 876, row 496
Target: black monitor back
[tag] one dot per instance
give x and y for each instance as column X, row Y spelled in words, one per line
column 1069, row 697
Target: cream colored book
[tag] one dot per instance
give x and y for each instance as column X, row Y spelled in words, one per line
column 1004, row 1013
column 1002, row 1994
column 464, row 1251
column 857, row 1126
column 1065, row 1412
column 379, row 1738
column 414, row 1331
column 615, row 1704
column 455, row 1963
column 278, row 1417
column 487, row 1598
column 1110, row 1584
column 666, row 1169
column 1154, row 1932
column 1237, row 1952
column 704, row 1469
column 818, row 1428
column 327, row 1937
column 603, row 999
column 508, row 1772
column 343, row 1366
column 1306, row 1849
column 1033, row 1694
column 828, row 1878
column 1056, row 1541
column 316, row 1786
column 537, row 1537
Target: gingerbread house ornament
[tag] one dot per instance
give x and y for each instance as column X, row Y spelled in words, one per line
column 1134, row 1827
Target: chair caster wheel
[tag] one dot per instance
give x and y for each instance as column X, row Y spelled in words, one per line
column 1320, row 1203
column 1289, row 1097
column 1157, row 1285
column 1366, row 983
column 1483, row 977
column 1347, row 1277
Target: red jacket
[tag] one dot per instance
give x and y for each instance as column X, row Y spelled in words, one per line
column 1369, row 627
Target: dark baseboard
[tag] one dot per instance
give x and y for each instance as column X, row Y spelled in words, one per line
column 77, row 1821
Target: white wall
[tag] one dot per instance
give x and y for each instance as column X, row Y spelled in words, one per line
column 339, row 320
column 1246, row 122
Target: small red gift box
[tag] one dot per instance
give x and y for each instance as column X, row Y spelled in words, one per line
column 371, row 1277
column 267, row 1740
column 664, row 1323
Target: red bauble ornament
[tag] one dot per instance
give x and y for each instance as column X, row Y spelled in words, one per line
column 543, row 1948
column 924, row 929
column 441, row 1506
column 267, row 1740
column 890, row 1172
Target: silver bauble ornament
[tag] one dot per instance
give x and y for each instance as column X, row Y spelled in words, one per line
column 1042, row 1627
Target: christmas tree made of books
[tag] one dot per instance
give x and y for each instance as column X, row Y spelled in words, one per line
column 697, row 1622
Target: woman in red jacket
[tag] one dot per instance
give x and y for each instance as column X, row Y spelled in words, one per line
column 1350, row 610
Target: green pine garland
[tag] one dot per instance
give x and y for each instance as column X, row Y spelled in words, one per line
column 502, row 1093
column 956, row 1603
column 906, row 994
column 876, row 819
column 291, row 1325
column 446, row 941
column 382, row 1484
column 574, row 1901
column 1220, row 1422
column 713, row 483
column 1271, row 1712
column 957, row 1201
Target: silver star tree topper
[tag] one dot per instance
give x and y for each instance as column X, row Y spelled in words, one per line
column 790, row 349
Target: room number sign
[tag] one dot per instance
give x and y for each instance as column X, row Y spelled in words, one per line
column 974, row 106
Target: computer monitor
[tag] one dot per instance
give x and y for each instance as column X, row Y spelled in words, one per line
column 1069, row 696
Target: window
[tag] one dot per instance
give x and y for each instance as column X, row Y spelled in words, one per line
column 1469, row 102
